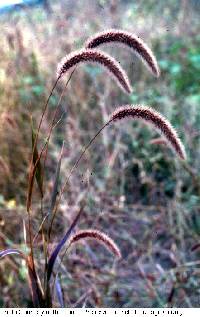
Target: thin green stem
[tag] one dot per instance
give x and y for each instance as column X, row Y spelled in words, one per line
column 31, row 175
column 71, row 171
column 54, row 117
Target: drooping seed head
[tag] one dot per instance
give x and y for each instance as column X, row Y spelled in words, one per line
column 98, row 236
column 95, row 56
column 131, row 41
column 154, row 118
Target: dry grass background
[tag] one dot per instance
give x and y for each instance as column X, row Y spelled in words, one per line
column 137, row 192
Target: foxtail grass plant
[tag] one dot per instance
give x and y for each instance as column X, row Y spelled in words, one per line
column 42, row 289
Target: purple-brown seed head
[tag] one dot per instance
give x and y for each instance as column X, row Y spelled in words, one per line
column 154, row 118
column 95, row 56
column 98, row 236
column 131, row 41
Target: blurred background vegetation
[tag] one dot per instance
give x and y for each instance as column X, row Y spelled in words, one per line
column 134, row 189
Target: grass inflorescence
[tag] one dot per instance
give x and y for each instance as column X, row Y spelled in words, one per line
column 129, row 40
column 95, row 56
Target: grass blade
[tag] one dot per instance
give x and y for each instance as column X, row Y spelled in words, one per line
column 11, row 251
column 58, row 248
column 36, row 291
column 59, row 292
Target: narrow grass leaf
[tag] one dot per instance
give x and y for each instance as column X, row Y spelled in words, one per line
column 59, row 292
column 33, row 285
column 33, row 279
column 58, row 248
column 11, row 251
column 36, row 292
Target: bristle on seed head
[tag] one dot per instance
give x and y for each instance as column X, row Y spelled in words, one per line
column 131, row 41
column 99, row 236
column 154, row 118
column 95, row 56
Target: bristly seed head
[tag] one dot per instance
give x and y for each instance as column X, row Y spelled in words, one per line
column 152, row 117
column 98, row 236
column 131, row 41
column 95, row 56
